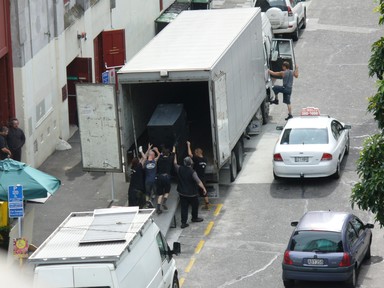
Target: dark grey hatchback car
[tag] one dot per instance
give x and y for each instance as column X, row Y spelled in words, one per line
column 326, row 246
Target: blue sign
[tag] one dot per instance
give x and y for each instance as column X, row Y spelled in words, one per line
column 105, row 77
column 15, row 201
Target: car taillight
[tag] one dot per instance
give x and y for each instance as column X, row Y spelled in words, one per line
column 290, row 11
column 287, row 259
column 326, row 157
column 277, row 157
column 346, row 261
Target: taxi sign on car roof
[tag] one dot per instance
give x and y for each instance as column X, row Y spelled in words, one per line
column 310, row 111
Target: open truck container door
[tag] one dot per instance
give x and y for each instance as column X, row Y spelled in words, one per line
column 282, row 50
column 98, row 125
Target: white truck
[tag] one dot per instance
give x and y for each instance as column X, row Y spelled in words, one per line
column 214, row 63
column 204, row 79
column 116, row 248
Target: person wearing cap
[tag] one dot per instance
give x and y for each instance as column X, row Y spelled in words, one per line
column 188, row 188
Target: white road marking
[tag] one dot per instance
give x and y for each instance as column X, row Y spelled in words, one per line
column 228, row 283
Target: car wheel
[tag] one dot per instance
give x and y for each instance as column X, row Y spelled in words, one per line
column 304, row 25
column 276, row 177
column 233, row 166
column 265, row 111
column 368, row 253
column 351, row 282
column 347, row 146
column 295, row 34
column 336, row 175
column 239, row 155
column 289, row 283
column 175, row 283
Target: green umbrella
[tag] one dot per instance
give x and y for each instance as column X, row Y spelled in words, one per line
column 36, row 184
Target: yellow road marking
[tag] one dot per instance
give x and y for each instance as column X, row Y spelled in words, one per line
column 218, row 209
column 209, row 228
column 181, row 282
column 190, row 264
column 199, row 246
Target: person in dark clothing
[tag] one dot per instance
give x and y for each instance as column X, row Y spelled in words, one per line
column 199, row 164
column 163, row 181
column 5, row 152
column 188, row 190
column 136, row 190
column 15, row 139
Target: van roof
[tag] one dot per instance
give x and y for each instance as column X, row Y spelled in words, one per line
column 100, row 235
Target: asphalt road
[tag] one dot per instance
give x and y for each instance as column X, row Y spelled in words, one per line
column 243, row 237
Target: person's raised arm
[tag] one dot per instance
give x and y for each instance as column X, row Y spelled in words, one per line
column 276, row 74
column 189, row 149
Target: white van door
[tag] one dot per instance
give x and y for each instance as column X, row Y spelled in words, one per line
column 167, row 262
column 281, row 51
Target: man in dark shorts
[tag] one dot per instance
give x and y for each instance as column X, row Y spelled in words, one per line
column 287, row 76
column 163, row 181
column 199, row 165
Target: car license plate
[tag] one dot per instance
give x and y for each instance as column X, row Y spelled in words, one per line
column 301, row 159
column 315, row 261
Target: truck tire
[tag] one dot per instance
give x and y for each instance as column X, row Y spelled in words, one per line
column 265, row 111
column 233, row 166
column 239, row 151
column 175, row 282
column 295, row 34
column 304, row 25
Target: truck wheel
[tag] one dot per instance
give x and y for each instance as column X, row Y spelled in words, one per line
column 233, row 166
column 175, row 283
column 239, row 155
column 295, row 34
column 304, row 25
column 265, row 111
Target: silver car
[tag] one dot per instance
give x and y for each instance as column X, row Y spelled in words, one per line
column 326, row 246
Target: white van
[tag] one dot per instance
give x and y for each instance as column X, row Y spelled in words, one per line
column 108, row 248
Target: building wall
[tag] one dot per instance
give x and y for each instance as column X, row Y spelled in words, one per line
column 44, row 44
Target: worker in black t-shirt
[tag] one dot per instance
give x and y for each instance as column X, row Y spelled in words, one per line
column 163, row 179
column 199, row 165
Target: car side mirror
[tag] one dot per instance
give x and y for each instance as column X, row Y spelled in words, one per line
column 279, row 127
column 347, row 127
column 176, row 248
column 294, row 223
column 369, row 225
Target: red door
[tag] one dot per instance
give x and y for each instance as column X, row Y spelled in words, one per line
column 113, row 48
column 78, row 71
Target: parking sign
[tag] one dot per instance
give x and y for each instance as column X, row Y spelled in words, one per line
column 15, row 201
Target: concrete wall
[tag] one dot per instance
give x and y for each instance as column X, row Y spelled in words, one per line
column 44, row 44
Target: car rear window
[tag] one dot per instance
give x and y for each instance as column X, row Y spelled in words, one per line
column 305, row 136
column 266, row 4
column 319, row 241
